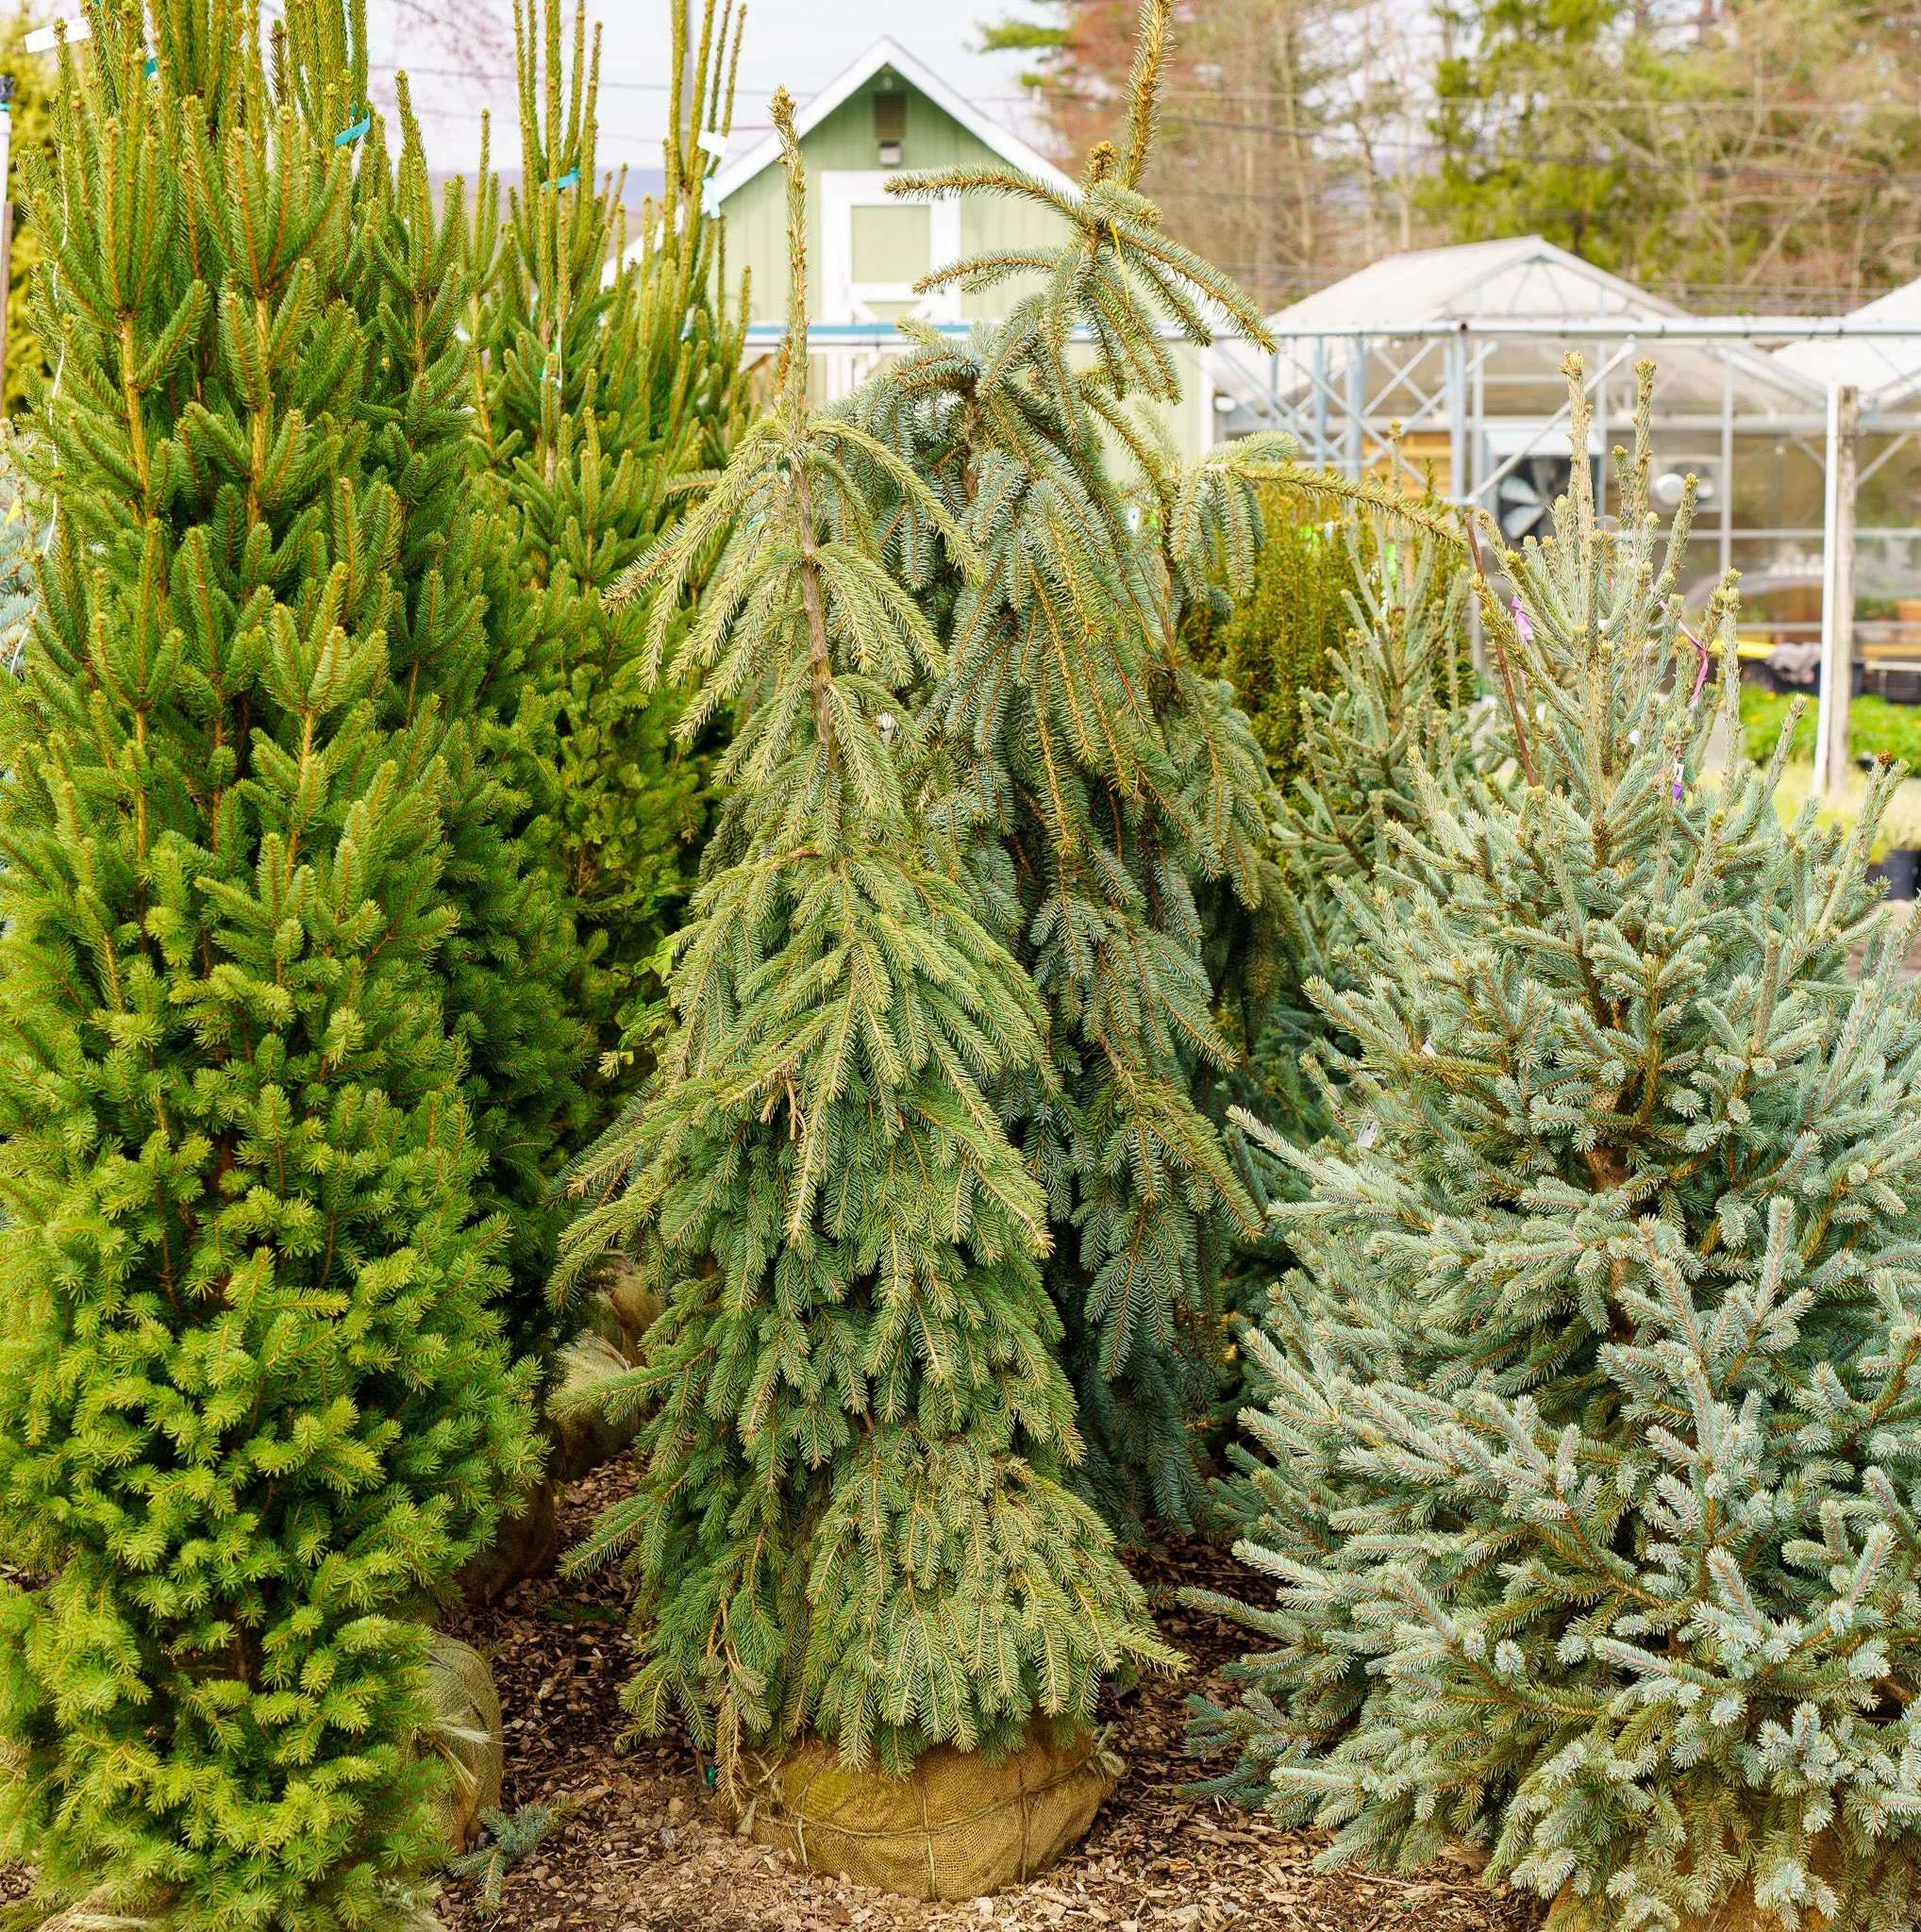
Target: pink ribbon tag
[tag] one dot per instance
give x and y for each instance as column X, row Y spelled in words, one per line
column 1700, row 669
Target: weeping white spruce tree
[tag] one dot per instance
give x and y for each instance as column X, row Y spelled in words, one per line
column 853, row 1519
column 1590, row 1466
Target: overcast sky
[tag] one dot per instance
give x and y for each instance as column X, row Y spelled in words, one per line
column 800, row 44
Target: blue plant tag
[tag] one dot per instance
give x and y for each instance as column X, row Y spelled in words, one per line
column 709, row 197
column 569, row 180
column 152, row 65
column 348, row 136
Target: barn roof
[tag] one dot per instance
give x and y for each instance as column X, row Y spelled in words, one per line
column 888, row 52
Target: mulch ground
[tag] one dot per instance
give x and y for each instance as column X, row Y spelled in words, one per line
column 648, row 1849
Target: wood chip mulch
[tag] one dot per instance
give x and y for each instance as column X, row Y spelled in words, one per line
column 647, row 1848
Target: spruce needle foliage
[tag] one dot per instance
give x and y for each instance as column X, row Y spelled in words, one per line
column 1589, row 1458
column 1378, row 689
column 511, row 1836
column 611, row 386
column 1278, row 641
column 254, row 1407
column 1105, row 803
column 852, row 1518
column 1398, row 717
column 457, row 644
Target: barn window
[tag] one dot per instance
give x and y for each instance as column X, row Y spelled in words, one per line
column 889, row 123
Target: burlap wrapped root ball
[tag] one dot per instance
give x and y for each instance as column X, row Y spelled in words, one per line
column 954, row 1827
column 466, row 1734
column 525, row 1545
column 584, row 1435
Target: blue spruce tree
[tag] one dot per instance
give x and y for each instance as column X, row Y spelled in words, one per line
column 1588, row 1465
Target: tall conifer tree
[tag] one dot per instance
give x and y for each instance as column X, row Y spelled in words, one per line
column 611, row 382
column 254, row 1411
column 852, row 1518
column 459, row 645
column 1105, row 804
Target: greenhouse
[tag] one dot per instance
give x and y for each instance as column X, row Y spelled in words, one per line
column 1462, row 346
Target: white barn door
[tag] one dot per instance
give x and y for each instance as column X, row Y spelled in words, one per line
column 874, row 248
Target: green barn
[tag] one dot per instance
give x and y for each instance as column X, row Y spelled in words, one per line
column 885, row 114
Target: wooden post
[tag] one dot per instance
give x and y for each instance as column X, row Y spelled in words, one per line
column 1837, row 597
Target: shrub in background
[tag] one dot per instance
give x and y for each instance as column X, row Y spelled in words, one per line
column 30, row 113
column 458, row 648
column 1396, row 700
column 1278, row 641
column 254, row 1407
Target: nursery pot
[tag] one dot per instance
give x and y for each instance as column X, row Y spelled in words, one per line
column 954, row 1827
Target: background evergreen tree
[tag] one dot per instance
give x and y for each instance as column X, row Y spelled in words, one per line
column 459, row 646
column 1106, row 802
column 852, row 1518
column 1389, row 693
column 253, row 1404
column 1395, row 719
column 1279, row 640
column 602, row 399
column 31, row 114
column 1590, row 1466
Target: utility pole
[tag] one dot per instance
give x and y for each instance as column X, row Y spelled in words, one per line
column 1837, row 595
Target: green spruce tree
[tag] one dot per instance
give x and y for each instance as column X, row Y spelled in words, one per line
column 612, row 384
column 1398, row 716
column 1591, row 1458
column 460, row 647
column 853, row 1519
column 254, row 1411
column 1279, row 639
column 1105, row 803
column 30, row 115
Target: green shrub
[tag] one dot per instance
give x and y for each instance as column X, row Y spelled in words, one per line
column 1874, row 727
column 1277, row 641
